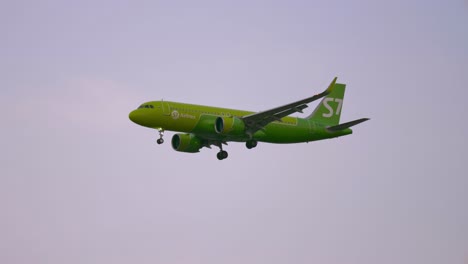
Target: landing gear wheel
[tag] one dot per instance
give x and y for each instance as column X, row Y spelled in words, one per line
column 222, row 155
column 161, row 134
column 251, row 144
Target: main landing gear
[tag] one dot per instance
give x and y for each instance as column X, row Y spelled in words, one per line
column 161, row 134
column 222, row 154
column 251, row 144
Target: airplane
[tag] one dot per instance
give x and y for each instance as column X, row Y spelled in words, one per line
column 206, row 126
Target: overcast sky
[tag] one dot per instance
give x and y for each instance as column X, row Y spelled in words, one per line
column 81, row 183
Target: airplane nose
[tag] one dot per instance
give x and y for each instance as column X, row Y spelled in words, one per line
column 133, row 116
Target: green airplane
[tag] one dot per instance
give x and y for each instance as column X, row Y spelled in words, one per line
column 206, row 126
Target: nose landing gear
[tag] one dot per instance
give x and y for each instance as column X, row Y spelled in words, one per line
column 161, row 134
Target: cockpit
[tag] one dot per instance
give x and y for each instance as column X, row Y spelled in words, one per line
column 145, row 117
column 145, row 106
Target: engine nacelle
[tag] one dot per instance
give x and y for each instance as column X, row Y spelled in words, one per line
column 229, row 126
column 206, row 125
column 186, row 143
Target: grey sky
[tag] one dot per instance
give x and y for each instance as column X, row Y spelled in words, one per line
column 80, row 183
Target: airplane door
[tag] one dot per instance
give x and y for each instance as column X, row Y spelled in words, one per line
column 166, row 108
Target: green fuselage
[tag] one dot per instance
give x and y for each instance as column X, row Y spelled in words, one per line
column 199, row 120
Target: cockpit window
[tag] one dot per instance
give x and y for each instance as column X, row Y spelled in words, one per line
column 145, row 106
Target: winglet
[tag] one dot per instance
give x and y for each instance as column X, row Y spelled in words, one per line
column 327, row 91
column 330, row 87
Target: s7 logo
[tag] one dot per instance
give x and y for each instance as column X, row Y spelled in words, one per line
column 326, row 102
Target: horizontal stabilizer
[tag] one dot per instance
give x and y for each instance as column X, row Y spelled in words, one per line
column 346, row 125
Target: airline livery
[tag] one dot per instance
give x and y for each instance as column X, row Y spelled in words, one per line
column 206, row 126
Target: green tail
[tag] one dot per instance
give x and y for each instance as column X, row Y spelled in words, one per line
column 329, row 110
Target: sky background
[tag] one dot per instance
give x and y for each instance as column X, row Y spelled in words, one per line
column 81, row 183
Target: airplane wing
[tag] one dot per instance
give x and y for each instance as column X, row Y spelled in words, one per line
column 258, row 121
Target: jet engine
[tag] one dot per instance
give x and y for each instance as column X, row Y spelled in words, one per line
column 229, row 126
column 186, row 143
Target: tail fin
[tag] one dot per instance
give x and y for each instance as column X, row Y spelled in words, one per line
column 329, row 110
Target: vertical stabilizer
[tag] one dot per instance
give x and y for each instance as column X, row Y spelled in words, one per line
column 329, row 110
